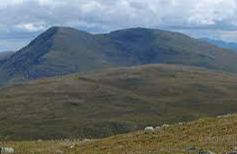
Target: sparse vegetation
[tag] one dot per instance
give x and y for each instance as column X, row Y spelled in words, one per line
column 105, row 103
column 209, row 135
column 63, row 50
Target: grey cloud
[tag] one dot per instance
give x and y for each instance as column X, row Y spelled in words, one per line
column 34, row 16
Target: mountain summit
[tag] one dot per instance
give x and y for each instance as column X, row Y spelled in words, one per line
column 63, row 50
column 57, row 51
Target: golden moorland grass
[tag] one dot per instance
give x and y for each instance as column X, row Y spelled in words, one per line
column 114, row 101
column 216, row 135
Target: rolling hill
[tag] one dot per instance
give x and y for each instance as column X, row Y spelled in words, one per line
column 62, row 50
column 104, row 103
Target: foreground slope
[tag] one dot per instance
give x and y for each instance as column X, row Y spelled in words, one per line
column 207, row 136
column 62, row 50
column 114, row 101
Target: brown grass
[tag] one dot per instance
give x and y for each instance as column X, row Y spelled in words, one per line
column 211, row 134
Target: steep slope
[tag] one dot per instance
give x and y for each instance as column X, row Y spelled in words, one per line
column 114, row 101
column 62, row 50
column 58, row 51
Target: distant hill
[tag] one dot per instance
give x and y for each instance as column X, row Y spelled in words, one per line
column 4, row 55
column 221, row 44
column 62, row 50
column 112, row 101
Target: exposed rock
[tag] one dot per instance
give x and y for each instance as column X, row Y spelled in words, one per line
column 149, row 129
column 157, row 128
column 6, row 150
column 165, row 126
column 195, row 150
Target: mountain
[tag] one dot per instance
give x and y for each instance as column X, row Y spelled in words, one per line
column 4, row 55
column 62, row 50
column 119, row 100
column 221, row 44
column 58, row 51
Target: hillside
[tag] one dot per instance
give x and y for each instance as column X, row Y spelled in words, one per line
column 57, row 51
column 209, row 136
column 148, row 46
column 62, row 50
column 112, row 101
column 221, row 44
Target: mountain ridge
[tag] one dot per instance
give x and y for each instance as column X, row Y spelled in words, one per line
column 62, row 50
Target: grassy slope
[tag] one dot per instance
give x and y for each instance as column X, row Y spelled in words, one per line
column 217, row 135
column 213, row 134
column 114, row 101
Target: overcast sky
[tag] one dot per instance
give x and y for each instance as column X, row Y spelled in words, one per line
column 22, row 20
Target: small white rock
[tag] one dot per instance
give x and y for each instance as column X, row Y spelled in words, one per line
column 165, row 125
column 149, row 129
column 157, row 128
column 6, row 150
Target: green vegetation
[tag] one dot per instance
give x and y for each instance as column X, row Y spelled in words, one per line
column 112, row 101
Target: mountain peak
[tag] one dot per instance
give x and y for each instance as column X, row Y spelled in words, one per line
column 56, row 31
column 61, row 28
column 64, row 50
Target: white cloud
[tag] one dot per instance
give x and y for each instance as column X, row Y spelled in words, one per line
column 210, row 12
column 106, row 15
column 5, row 4
column 32, row 27
column 119, row 13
